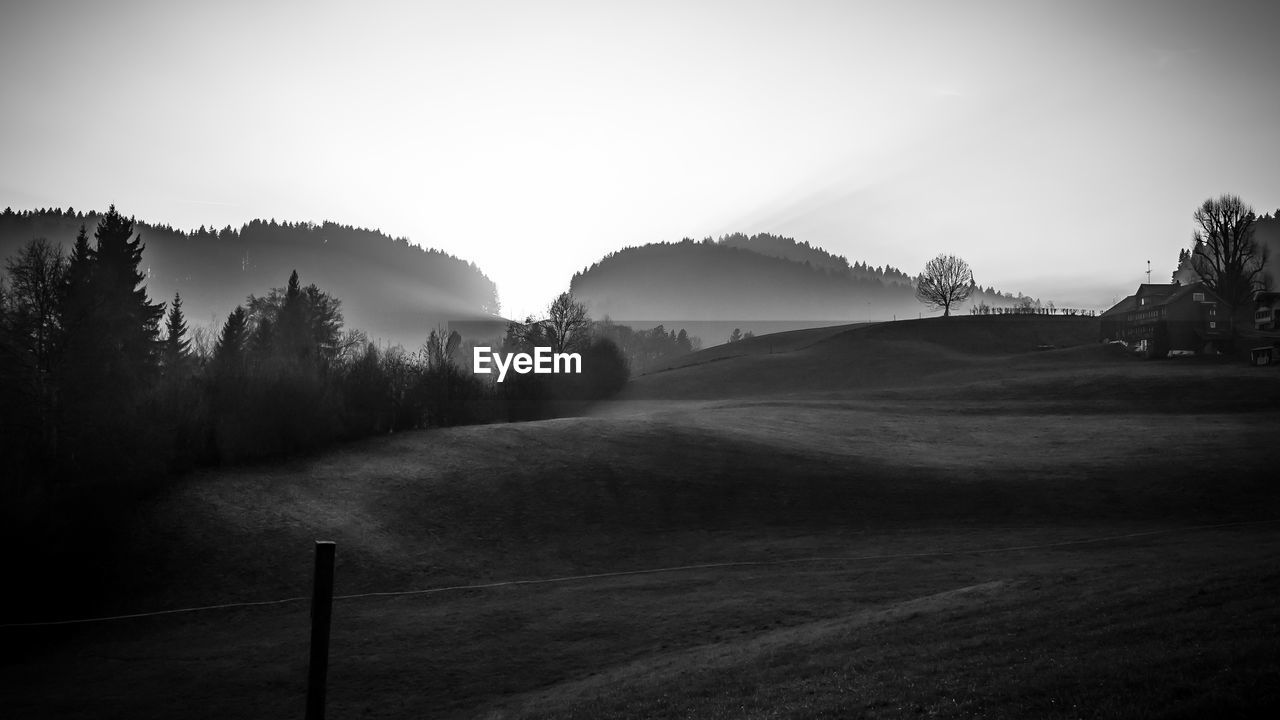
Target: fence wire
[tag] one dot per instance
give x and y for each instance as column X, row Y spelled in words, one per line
column 647, row 571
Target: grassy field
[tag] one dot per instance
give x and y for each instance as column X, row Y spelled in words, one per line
column 911, row 519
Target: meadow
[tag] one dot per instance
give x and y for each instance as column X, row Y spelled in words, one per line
column 915, row 519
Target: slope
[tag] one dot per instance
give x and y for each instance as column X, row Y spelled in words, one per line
column 862, row 356
column 951, row 503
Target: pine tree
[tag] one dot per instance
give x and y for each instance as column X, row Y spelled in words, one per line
column 76, row 301
column 176, row 343
column 292, row 328
column 132, row 320
column 229, row 352
column 295, row 324
column 110, row 356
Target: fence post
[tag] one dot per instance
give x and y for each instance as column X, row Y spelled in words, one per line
column 321, row 612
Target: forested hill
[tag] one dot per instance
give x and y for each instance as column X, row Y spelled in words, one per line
column 802, row 252
column 389, row 288
column 763, row 277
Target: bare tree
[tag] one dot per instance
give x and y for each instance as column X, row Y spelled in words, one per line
column 1225, row 256
column 567, row 324
column 35, row 290
column 441, row 346
column 946, row 281
column 203, row 340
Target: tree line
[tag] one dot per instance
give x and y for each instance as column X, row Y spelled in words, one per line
column 106, row 395
column 984, row 309
column 647, row 350
column 388, row 283
column 708, row 280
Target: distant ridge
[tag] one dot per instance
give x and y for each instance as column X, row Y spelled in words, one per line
column 741, row 278
column 389, row 288
column 788, row 249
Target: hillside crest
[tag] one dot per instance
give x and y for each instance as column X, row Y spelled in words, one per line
column 761, row 277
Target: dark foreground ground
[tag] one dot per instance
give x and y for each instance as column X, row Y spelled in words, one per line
column 886, row 523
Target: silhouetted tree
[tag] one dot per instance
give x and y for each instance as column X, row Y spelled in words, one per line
column 296, row 323
column 30, row 332
column 1225, row 255
column 228, row 354
column 523, row 336
column 604, row 370
column 448, row 394
column 36, row 279
column 117, row 279
column 646, row 349
column 946, row 281
column 176, row 343
column 441, row 347
column 76, row 278
column 567, row 324
column 110, row 356
column 366, row 388
column 683, row 343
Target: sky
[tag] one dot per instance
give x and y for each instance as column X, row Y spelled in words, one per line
column 1055, row 146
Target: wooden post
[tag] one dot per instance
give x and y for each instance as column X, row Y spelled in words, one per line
column 321, row 612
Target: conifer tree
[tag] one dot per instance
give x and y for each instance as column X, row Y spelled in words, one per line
column 229, row 352
column 292, row 328
column 176, row 343
column 110, row 354
column 295, row 324
column 76, row 301
column 112, row 327
column 124, row 309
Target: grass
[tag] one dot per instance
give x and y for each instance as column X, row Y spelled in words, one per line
column 882, row 479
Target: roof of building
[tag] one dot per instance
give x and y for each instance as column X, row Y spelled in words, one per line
column 1161, row 294
column 1158, row 289
column 1189, row 289
column 1124, row 306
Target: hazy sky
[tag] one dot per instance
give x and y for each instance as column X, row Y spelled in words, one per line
column 1056, row 146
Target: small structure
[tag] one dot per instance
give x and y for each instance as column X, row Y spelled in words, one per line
column 1159, row 318
column 1266, row 315
column 1265, row 337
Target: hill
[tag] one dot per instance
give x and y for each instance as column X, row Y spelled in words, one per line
column 390, row 289
column 802, row 252
column 949, row 523
column 761, row 279
column 855, row 357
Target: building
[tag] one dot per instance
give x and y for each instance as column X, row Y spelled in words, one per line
column 1266, row 315
column 1159, row 319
